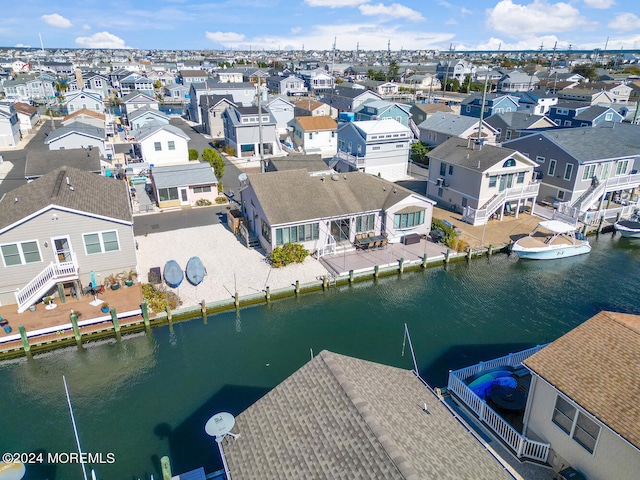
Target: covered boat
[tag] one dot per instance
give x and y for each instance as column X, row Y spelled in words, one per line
column 173, row 273
column 195, row 271
column 629, row 228
column 551, row 239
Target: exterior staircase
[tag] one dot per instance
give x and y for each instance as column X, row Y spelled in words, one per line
column 53, row 274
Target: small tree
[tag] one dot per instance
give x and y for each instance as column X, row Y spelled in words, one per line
column 193, row 154
column 157, row 84
column 214, row 159
column 419, row 152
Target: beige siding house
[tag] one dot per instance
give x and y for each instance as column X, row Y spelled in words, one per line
column 66, row 226
column 480, row 180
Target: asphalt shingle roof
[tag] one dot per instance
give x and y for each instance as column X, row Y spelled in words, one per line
column 597, row 365
column 181, row 175
column 41, row 162
column 459, row 151
column 448, row 123
column 76, row 127
column 343, row 418
column 353, row 192
column 93, row 194
column 317, row 123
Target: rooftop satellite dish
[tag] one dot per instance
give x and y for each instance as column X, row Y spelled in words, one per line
column 220, row 425
column 242, row 177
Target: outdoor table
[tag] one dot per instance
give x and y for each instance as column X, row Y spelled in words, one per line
column 507, row 398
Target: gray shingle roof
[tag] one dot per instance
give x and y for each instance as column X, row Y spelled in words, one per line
column 448, row 123
column 183, row 175
column 76, row 127
column 457, row 151
column 339, row 417
column 146, row 109
column 93, row 194
column 41, row 162
column 515, row 120
column 591, row 113
column 147, row 131
column 280, row 195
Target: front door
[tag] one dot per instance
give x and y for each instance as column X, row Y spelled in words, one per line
column 503, row 179
column 62, row 249
column 184, row 196
column 340, row 229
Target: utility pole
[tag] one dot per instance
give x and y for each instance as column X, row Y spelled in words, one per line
column 484, row 97
column 261, row 146
column 446, row 71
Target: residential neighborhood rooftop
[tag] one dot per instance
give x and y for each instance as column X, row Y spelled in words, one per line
column 459, row 151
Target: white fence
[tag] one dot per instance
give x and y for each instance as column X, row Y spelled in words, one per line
column 521, row 445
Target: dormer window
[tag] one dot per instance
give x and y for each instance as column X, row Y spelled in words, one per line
column 509, row 163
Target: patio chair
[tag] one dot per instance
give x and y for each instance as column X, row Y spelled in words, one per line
column 383, row 243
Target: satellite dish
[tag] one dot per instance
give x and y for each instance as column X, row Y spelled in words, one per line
column 220, row 425
column 11, row 471
column 242, row 177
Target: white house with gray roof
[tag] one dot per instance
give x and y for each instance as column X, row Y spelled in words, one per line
column 480, row 180
column 146, row 116
column 135, row 100
column 84, row 99
column 441, row 126
column 377, row 147
column 77, row 135
column 160, row 144
column 344, row 418
column 325, row 212
column 184, row 185
column 66, row 226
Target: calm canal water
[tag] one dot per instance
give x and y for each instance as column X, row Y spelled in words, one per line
column 149, row 396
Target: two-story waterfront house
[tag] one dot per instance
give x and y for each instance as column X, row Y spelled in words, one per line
column 580, row 166
column 480, row 180
column 513, row 125
column 440, row 127
column 494, row 103
column 347, row 99
column 377, row 147
column 135, row 100
column 455, row 68
column 536, row 102
column 161, row 144
column 212, row 107
column 78, row 135
column 517, row 81
column 243, row 93
column 323, row 212
column 317, row 81
column 282, row 110
column 67, row 226
column 289, row 85
column 147, row 116
column 315, row 135
column 84, row 99
column 306, row 107
column 579, row 411
column 136, row 82
column 242, row 131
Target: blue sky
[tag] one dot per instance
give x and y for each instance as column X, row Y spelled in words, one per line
column 313, row 24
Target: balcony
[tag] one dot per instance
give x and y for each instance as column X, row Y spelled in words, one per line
column 358, row 162
column 466, row 386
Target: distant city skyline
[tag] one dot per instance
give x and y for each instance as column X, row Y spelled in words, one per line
column 314, row 24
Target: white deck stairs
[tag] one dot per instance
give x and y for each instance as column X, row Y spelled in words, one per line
column 595, row 192
column 53, row 274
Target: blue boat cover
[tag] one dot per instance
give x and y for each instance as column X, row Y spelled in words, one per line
column 173, row 273
column 195, row 271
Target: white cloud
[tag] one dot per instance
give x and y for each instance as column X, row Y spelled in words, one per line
column 451, row 21
column 625, row 22
column 395, row 10
column 56, row 20
column 225, row 38
column 295, row 30
column 21, row 45
column 370, row 36
column 532, row 43
column 101, row 40
column 86, row 27
column 465, row 11
column 538, row 17
column 334, row 3
column 600, row 3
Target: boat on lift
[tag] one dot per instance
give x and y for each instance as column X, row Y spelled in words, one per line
column 551, row 239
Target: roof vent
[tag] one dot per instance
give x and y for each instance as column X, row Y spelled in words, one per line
column 322, row 179
column 335, row 177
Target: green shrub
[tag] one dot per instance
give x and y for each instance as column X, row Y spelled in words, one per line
column 193, row 154
column 203, row 202
column 288, row 253
column 221, row 200
column 449, row 232
column 157, row 298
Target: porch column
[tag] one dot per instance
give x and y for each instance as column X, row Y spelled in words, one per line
column 502, row 211
column 518, row 208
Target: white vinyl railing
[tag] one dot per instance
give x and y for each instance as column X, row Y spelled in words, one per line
column 351, row 159
column 47, row 278
column 481, row 216
column 328, row 248
column 521, row 445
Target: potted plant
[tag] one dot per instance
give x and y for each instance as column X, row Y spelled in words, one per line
column 47, row 300
column 130, row 277
column 113, row 281
column 105, row 308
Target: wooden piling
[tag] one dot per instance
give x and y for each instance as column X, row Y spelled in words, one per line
column 448, row 256
column 424, row 261
column 490, row 251
column 297, row 287
column 145, row 313
column 236, row 300
column 114, row 319
column 325, row 283
column 268, row 294
column 25, row 339
column 350, row 276
column 401, row 265
column 469, row 253
column 76, row 328
column 203, row 310
column 376, row 271
column 169, row 315
column 165, row 463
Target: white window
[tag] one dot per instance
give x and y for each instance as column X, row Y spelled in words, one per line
column 540, row 159
column 577, row 425
column 101, row 242
column 171, row 144
column 608, row 117
column 20, row 253
column 399, row 145
column 589, row 172
column 621, row 168
column 157, row 146
column 568, row 170
column 552, row 167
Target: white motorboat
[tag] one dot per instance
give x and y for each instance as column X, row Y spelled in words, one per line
column 551, row 239
column 629, row 228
